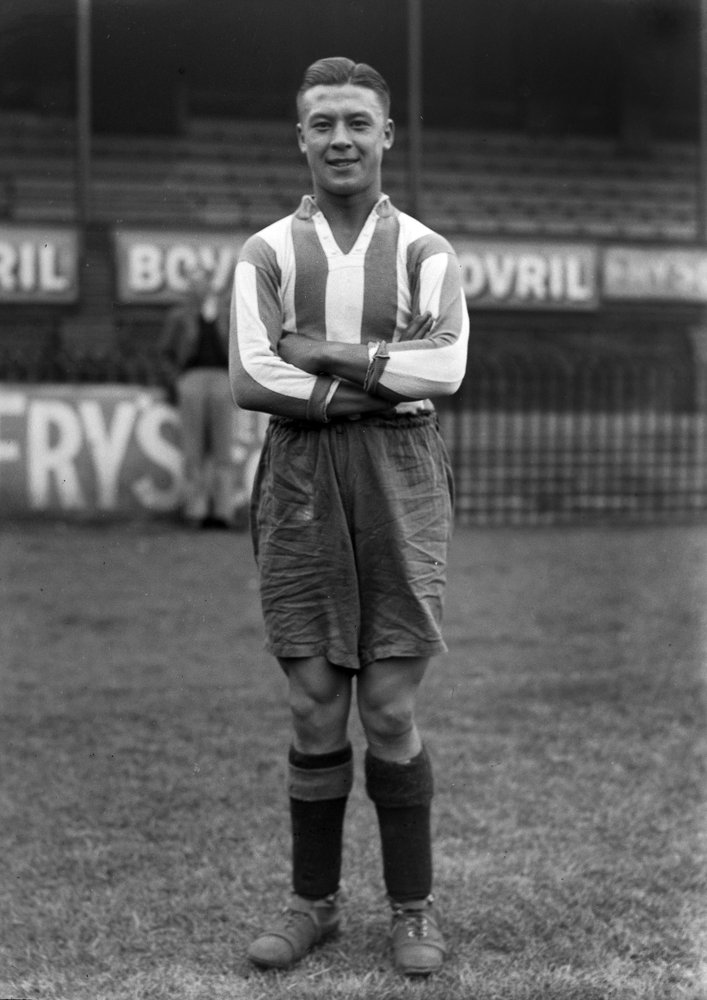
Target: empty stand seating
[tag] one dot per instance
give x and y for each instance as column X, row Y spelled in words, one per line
column 245, row 174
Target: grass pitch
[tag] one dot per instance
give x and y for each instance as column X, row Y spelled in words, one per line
column 143, row 818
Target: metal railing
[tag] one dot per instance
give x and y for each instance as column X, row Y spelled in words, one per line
column 540, row 441
column 533, row 440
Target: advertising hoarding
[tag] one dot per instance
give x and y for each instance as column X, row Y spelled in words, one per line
column 38, row 264
column 152, row 265
column 506, row 274
column 648, row 274
column 103, row 449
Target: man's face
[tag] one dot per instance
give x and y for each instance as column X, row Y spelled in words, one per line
column 343, row 131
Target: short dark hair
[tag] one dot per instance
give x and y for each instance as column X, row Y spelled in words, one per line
column 338, row 71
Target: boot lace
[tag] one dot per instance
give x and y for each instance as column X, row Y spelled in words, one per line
column 415, row 922
column 299, row 914
column 416, row 925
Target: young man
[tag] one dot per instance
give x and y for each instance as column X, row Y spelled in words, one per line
column 347, row 317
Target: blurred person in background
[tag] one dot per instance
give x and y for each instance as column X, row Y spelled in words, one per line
column 348, row 317
column 194, row 346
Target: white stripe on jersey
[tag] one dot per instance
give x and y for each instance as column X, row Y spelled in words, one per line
column 259, row 365
column 432, row 274
column 345, row 280
column 344, row 299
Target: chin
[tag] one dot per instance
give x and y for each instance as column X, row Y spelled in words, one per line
column 346, row 187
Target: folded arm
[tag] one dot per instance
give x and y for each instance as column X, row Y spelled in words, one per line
column 261, row 379
column 426, row 359
column 350, row 362
column 290, row 375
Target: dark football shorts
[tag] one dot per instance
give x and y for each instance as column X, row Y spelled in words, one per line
column 351, row 523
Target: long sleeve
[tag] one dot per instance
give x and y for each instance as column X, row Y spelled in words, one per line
column 260, row 379
column 435, row 365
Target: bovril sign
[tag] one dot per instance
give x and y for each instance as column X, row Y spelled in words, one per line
column 38, row 264
column 112, row 449
column 153, row 265
column 499, row 274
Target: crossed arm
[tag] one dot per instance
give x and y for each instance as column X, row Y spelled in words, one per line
column 290, row 374
column 348, row 362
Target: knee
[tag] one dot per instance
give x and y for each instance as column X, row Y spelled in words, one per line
column 306, row 706
column 319, row 721
column 386, row 720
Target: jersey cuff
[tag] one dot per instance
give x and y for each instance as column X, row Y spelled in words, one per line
column 317, row 403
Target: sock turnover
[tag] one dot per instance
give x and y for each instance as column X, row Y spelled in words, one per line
column 402, row 795
column 319, row 785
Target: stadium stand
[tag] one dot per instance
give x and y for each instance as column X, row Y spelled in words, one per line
column 235, row 173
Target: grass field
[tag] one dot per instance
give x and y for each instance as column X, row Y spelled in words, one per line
column 143, row 822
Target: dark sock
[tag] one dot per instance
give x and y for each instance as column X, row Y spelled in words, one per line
column 319, row 787
column 402, row 794
column 407, row 852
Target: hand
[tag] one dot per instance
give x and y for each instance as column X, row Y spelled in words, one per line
column 302, row 352
column 418, row 327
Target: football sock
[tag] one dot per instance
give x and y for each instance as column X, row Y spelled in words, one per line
column 402, row 794
column 319, row 785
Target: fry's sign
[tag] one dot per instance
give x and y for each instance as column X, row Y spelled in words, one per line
column 153, row 265
column 643, row 274
column 102, row 449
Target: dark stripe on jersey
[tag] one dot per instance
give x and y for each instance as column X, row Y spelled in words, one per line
column 418, row 251
column 259, row 253
column 311, row 270
column 380, row 286
column 268, row 292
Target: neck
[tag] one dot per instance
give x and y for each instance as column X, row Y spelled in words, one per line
column 350, row 211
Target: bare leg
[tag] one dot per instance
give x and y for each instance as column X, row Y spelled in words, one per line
column 192, row 411
column 320, row 701
column 386, row 696
column 221, row 429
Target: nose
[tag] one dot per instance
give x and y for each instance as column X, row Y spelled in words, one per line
column 340, row 136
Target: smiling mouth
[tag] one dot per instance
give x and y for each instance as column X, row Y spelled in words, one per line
column 341, row 163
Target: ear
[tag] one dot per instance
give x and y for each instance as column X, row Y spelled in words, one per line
column 389, row 134
column 300, row 139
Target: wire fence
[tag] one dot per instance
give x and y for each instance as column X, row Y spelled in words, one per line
column 547, row 468
column 50, row 360
column 533, row 440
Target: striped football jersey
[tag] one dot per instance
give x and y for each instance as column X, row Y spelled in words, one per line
column 293, row 277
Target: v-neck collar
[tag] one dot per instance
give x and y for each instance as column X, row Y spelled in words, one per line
column 309, row 209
